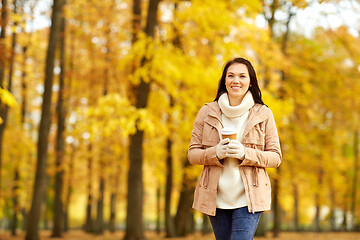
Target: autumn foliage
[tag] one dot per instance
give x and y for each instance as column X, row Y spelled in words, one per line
column 310, row 81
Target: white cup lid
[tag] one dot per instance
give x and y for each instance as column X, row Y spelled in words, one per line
column 228, row 131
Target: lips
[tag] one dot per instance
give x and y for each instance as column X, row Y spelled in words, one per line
column 235, row 87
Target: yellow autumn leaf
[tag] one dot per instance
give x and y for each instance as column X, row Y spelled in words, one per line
column 7, row 98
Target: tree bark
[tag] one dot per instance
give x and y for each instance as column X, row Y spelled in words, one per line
column 136, row 21
column 15, row 201
column 134, row 218
column 40, row 179
column 169, row 223
column 89, row 222
column 158, row 194
column 99, row 223
column 282, row 95
column 206, row 225
column 355, row 177
column 332, row 208
column 69, row 191
column 2, row 69
column 262, row 228
column 317, row 201
column 112, row 223
column 276, row 205
column 2, row 38
column 16, row 172
column 23, row 87
column 296, row 207
column 71, row 162
column 184, row 211
column 60, row 139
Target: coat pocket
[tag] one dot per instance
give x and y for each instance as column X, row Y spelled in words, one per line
column 210, row 136
column 255, row 138
column 204, row 178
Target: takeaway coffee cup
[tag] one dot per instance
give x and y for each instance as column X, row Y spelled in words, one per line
column 228, row 133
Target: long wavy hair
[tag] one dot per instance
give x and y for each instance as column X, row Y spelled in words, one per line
column 254, row 86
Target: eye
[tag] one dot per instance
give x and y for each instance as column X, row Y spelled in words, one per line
column 242, row 76
column 230, row 75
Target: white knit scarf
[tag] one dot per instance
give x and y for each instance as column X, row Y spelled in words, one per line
column 235, row 111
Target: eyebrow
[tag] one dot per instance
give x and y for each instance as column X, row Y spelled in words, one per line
column 238, row 73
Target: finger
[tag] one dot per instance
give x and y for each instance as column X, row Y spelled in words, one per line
column 237, row 142
column 232, row 145
column 232, row 151
column 224, row 147
column 231, row 155
column 225, row 141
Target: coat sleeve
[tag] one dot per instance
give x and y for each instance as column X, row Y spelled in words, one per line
column 271, row 156
column 197, row 154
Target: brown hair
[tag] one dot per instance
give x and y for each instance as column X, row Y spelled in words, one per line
column 254, row 86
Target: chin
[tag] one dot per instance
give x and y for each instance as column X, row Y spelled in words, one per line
column 237, row 95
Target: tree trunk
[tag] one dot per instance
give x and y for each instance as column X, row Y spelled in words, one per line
column 282, row 95
column 60, row 140
column 68, row 192
column 134, row 218
column 2, row 70
column 100, row 226
column 112, row 222
column 169, row 224
column 113, row 198
column 40, row 179
column 99, row 223
column 262, row 228
column 23, row 87
column 15, row 201
column 276, row 204
column 184, row 211
column 136, row 21
column 23, row 116
column 2, row 38
column 317, row 212
column 296, row 207
column 206, row 225
column 16, row 173
column 158, row 194
column 89, row 222
column 317, row 201
column 355, row 177
column 71, row 162
column 332, row 208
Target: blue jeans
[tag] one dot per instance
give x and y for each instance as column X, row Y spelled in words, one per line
column 234, row 224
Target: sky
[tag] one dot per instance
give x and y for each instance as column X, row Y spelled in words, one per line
column 326, row 15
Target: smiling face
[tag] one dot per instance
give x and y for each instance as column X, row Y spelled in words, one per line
column 237, row 83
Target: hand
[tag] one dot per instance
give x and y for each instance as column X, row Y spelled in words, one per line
column 235, row 150
column 221, row 148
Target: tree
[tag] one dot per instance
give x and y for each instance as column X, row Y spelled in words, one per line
column 3, row 109
column 42, row 147
column 134, row 216
column 60, row 138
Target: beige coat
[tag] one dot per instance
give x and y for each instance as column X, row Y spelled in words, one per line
column 262, row 150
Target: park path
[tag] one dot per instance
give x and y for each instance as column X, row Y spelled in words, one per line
column 80, row 235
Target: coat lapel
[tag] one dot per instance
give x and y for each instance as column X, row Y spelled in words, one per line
column 255, row 117
column 214, row 117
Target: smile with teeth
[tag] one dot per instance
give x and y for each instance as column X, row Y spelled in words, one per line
column 235, row 87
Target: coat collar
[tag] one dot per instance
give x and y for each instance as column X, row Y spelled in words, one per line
column 255, row 115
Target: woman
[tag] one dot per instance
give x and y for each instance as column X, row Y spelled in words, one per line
column 234, row 187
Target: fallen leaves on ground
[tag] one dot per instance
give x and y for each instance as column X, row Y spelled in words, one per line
column 80, row 235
